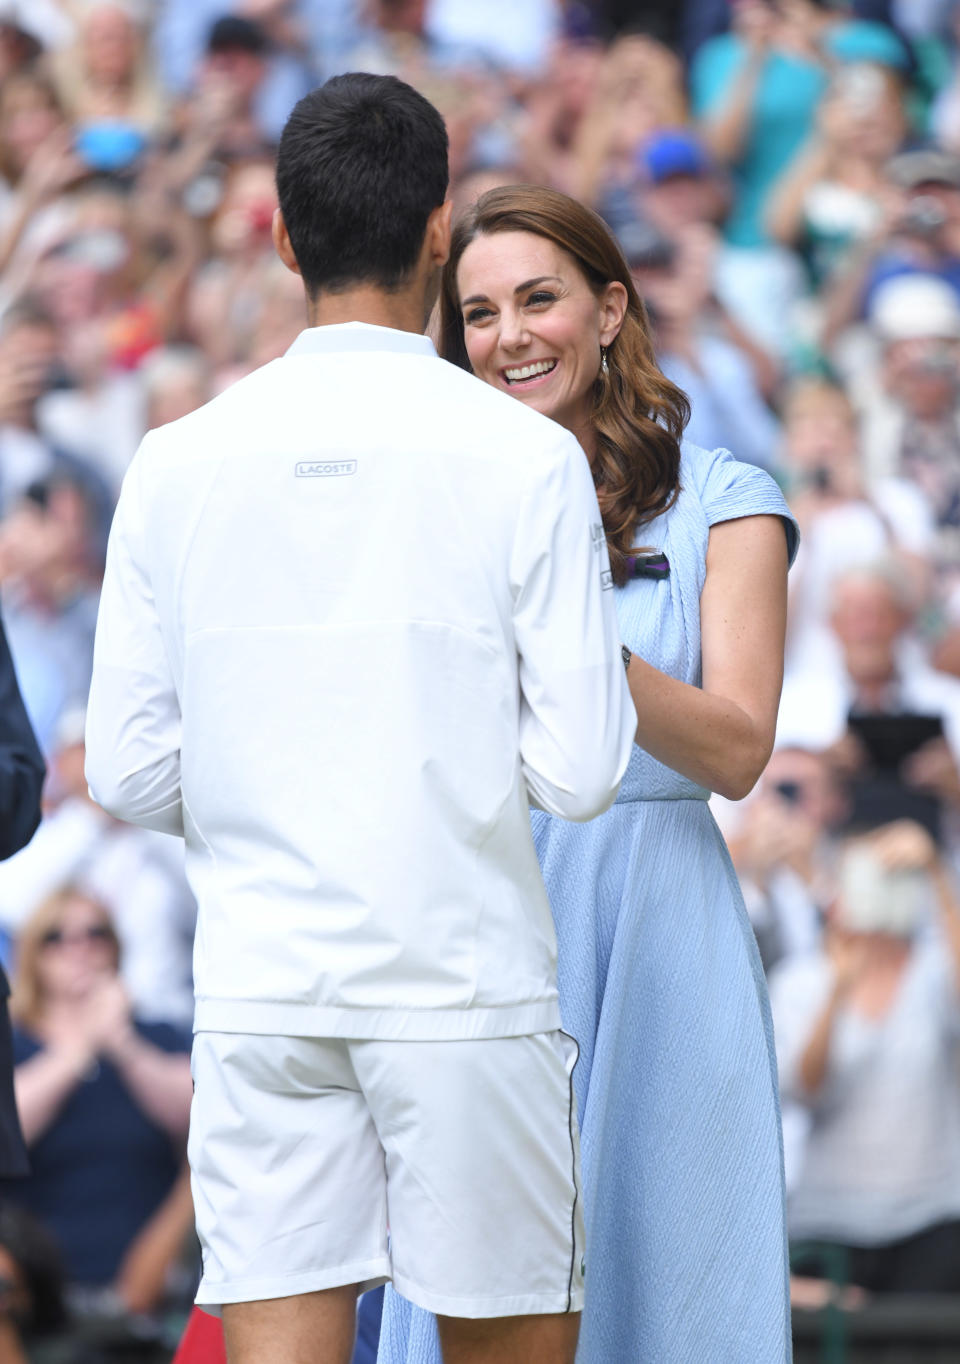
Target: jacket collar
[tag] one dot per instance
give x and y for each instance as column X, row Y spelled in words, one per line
column 360, row 336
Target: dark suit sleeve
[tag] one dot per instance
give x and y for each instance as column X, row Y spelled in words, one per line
column 21, row 764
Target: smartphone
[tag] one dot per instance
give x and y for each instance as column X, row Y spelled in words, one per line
column 889, row 739
column 880, row 799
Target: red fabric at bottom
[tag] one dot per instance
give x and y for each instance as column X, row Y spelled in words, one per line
column 202, row 1341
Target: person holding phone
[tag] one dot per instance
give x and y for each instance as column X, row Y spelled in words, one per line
column 783, row 847
column 872, row 667
column 867, row 1035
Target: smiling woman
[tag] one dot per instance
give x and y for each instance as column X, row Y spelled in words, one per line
column 660, row 980
column 568, row 335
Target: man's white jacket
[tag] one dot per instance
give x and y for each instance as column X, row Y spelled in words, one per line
column 356, row 614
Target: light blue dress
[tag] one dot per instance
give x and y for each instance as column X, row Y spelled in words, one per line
column 661, row 984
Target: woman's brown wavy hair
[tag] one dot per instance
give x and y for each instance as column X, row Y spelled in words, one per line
column 638, row 414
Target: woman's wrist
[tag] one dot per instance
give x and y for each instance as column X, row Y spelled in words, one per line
column 73, row 1058
column 125, row 1046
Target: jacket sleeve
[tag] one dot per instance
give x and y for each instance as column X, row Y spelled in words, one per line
column 133, row 714
column 21, row 765
column 577, row 719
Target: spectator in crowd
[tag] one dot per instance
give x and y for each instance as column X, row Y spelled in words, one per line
column 103, row 1098
column 136, row 874
column 784, row 852
column 233, row 69
column 912, row 425
column 556, row 104
column 639, row 90
column 49, row 550
column 294, row 40
column 918, row 232
column 756, row 91
column 836, row 192
column 945, row 114
column 107, row 82
column 876, row 668
column 697, row 344
column 227, row 293
column 867, row 1030
column 844, row 525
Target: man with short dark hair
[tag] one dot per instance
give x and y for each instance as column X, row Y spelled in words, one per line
column 354, row 619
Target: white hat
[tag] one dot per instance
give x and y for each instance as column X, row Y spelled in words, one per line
column 43, row 20
column 915, row 305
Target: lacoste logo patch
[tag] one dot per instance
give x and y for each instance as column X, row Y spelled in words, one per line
column 325, row 468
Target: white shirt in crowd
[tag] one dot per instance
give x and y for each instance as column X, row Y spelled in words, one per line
column 355, row 611
column 881, row 1159
column 137, row 875
column 816, row 701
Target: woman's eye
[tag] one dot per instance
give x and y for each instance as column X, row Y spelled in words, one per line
column 541, row 296
column 477, row 315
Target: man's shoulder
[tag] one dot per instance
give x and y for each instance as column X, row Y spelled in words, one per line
column 235, row 404
column 498, row 410
column 441, row 400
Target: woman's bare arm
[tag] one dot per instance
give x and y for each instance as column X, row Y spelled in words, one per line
column 721, row 735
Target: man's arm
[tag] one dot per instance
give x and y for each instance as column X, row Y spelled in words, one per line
column 21, row 764
column 133, row 714
column 577, row 720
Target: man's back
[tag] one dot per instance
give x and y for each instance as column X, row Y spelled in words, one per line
column 350, row 554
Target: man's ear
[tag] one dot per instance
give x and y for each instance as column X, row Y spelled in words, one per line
column 438, row 233
column 281, row 242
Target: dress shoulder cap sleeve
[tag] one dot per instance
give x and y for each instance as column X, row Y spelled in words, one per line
column 729, row 489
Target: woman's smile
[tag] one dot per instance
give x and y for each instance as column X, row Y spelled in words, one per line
column 529, row 374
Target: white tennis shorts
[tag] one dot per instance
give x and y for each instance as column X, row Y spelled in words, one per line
column 451, row 1168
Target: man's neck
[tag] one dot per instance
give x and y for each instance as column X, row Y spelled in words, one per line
column 403, row 311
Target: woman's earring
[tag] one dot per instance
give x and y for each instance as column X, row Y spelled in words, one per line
column 604, row 367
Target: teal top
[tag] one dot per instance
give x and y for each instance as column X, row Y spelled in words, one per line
column 787, row 94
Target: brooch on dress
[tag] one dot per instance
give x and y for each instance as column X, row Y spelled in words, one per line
column 652, row 563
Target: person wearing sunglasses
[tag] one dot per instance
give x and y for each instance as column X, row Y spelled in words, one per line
column 103, row 1098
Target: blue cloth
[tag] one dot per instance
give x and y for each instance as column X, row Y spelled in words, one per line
column 101, row 1169
column 661, row 984
column 369, row 1311
column 787, row 93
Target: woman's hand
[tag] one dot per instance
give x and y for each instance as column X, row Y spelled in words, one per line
column 773, row 835
column 53, row 168
column 904, row 846
column 850, row 955
column 933, row 768
column 108, row 1022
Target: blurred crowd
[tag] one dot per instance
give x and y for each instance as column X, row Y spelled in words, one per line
column 784, row 178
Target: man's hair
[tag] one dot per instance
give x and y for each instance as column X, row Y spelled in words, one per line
column 362, row 163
